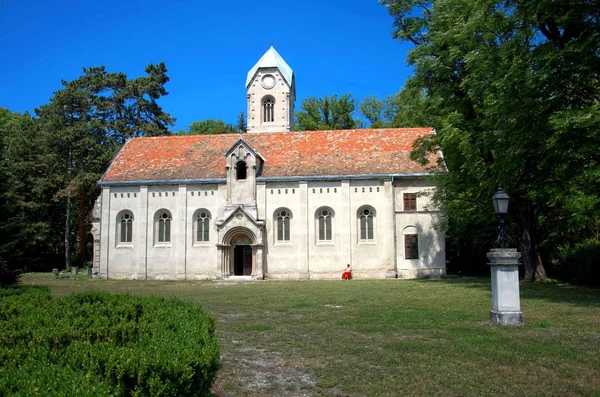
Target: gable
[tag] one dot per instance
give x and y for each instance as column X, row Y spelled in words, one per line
column 287, row 154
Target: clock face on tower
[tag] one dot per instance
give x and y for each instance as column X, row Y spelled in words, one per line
column 268, row 81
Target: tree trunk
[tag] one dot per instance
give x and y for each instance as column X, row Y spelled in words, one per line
column 534, row 267
column 68, row 214
column 82, row 229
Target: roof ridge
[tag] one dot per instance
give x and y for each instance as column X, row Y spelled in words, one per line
column 351, row 130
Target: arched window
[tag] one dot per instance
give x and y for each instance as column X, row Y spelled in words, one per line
column 240, row 169
column 125, row 227
column 163, row 226
column 411, row 243
column 282, row 218
column 366, row 217
column 268, row 106
column 325, row 216
column 202, row 219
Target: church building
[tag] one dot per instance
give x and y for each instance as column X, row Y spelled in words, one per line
column 272, row 203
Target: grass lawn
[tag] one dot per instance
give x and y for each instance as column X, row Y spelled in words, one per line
column 387, row 337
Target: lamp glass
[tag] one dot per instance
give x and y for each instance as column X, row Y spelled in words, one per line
column 500, row 201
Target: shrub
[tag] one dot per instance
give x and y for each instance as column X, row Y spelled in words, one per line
column 8, row 276
column 580, row 262
column 101, row 344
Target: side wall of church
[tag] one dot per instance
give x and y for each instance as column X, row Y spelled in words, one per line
column 423, row 221
column 303, row 256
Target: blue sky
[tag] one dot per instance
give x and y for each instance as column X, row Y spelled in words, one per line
column 333, row 46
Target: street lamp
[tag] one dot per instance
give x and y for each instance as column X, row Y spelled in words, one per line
column 504, row 262
column 501, row 201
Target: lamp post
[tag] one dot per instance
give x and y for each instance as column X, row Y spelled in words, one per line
column 504, row 263
column 501, row 201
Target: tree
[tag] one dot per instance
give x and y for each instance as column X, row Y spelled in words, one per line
column 329, row 113
column 374, row 111
column 242, row 126
column 85, row 123
column 28, row 215
column 209, row 126
column 513, row 91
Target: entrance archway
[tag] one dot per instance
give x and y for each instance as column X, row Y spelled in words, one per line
column 241, row 253
column 242, row 260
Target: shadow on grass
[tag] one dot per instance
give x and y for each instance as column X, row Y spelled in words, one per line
column 552, row 291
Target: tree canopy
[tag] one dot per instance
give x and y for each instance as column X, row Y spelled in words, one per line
column 513, row 91
column 209, row 126
column 329, row 113
column 49, row 160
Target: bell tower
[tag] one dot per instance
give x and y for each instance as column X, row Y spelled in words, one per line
column 271, row 93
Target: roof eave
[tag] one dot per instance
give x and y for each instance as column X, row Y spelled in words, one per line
column 270, row 179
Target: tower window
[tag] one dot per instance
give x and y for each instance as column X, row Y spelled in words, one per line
column 268, row 107
column 240, row 170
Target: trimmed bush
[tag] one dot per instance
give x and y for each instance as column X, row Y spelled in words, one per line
column 96, row 343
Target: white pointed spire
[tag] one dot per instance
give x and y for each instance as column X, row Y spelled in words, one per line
column 271, row 59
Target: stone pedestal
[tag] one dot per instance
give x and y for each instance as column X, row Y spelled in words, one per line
column 73, row 269
column 55, row 272
column 506, row 301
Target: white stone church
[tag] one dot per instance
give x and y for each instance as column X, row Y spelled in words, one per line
column 272, row 203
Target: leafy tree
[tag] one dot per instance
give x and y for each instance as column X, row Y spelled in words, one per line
column 407, row 108
column 28, row 215
column 209, row 126
column 134, row 108
column 84, row 125
column 329, row 113
column 374, row 111
column 242, row 125
column 513, row 90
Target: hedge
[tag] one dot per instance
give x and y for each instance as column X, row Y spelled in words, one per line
column 96, row 343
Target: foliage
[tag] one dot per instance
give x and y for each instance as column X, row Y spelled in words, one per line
column 329, row 113
column 8, row 276
column 101, row 344
column 29, row 217
column 513, row 91
column 209, row 126
column 579, row 262
column 242, row 125
column 50, row 164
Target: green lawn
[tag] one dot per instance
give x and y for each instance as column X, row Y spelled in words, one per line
column 387, row 337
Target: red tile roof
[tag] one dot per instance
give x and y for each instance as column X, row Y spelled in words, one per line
column 307, row 153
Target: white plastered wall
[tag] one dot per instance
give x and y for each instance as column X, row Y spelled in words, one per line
column 425, row 220
column 303, row 257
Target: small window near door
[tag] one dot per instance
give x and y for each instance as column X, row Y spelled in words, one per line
column 283, row 225
column 202, row 219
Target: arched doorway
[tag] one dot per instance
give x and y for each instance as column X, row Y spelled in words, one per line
column 241, row 254
column 242, row 260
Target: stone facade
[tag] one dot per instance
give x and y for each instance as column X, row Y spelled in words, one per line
column 271, row 94
column 295, row 205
